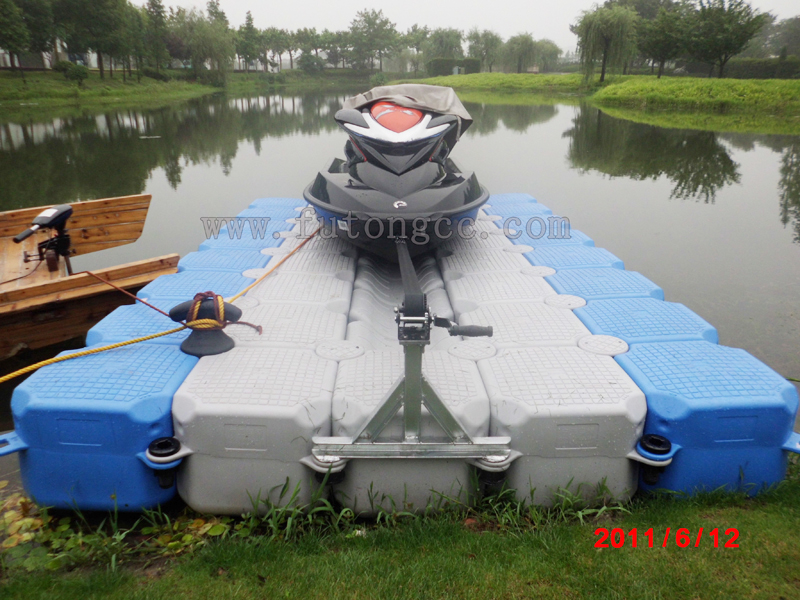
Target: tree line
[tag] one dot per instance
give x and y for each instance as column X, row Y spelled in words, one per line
column 621, row 33
column 155, row 37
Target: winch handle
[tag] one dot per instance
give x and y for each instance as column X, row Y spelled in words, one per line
column 471, row 330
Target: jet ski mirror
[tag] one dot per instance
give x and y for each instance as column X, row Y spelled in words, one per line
column 352, row 116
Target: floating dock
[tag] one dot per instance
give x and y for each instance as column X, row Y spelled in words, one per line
column 589, row 372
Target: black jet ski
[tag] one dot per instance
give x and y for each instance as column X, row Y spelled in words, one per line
column 397, row 179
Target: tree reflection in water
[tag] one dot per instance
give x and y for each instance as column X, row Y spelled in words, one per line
column 697, row 163
column 789, row 187
column 112, row 154
column 514, row 117
column 694, row 161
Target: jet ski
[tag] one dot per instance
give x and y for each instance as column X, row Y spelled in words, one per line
column 397, row 179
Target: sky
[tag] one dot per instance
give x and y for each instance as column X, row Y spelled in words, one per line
column 542, row 18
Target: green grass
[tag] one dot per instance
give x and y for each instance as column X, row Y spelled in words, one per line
column 517, row 99
column 738, row 122
column 773, row 96
column 501, row 550
column 512, row 83
column 753, row 106
column 41, row 90
column 50, row 89
column 295, row 81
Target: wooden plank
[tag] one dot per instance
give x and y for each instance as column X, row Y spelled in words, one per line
column 83, row 292
column 12, row 265
column 56, row 323
column 134, row 215
column 77, row 222
column 99, row 246
column 80, row 280
column 85, row 240
column 105, row 204
column 124, row 208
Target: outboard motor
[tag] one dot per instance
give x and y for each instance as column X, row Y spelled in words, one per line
column 59, row 245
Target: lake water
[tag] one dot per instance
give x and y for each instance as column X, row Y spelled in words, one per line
column 714, row 219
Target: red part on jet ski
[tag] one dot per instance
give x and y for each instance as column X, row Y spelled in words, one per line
column 395, row 118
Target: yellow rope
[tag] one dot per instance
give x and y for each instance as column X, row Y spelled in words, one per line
column 58, row 359
column 198, row 324
column 280, row 262
column 193, row 324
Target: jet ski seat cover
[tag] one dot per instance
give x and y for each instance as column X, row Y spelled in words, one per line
column 434, row 98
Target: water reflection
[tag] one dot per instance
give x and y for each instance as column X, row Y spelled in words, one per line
column 789, row 188
column 698, row 163
column 95, row 156
column 695, row 161
column 516, row 118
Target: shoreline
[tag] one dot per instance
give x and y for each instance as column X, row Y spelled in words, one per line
column 769, row 106
column 751, row 106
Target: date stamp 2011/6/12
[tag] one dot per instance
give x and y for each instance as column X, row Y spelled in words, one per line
column 683, row 538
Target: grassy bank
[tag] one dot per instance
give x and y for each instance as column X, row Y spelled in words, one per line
column 688, row 94
column 732, row 122
column 513, row 83
column 50, row 89
column 643, row 92
column 295, row 81
column 503, row 549
column 755, row 106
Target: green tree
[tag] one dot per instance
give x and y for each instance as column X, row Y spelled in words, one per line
column 292, row 46
column 444, row 43
column 105, row 34
column 38, row 18
column 220, row 39
column 764, row 43
column 332, row 43
column 77, row 73
column 309, row 40
column 208, row 41
column 788, row 36
column 91, row 25
column 174, row 40
column 134, row 33
column 372, row 36
column 607, row 35
column 646, row 9
column 547, row 55
column 14, row 36
column 484, row 45
column 310, row 63
column 247, row 42
column 721, row 30
column 662, row 39
column 156, row 33
column 415, row 38
column 520, row 52
column 216, row 14
column 274, row 41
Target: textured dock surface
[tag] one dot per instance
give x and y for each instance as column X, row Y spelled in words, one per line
column 586, row 358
